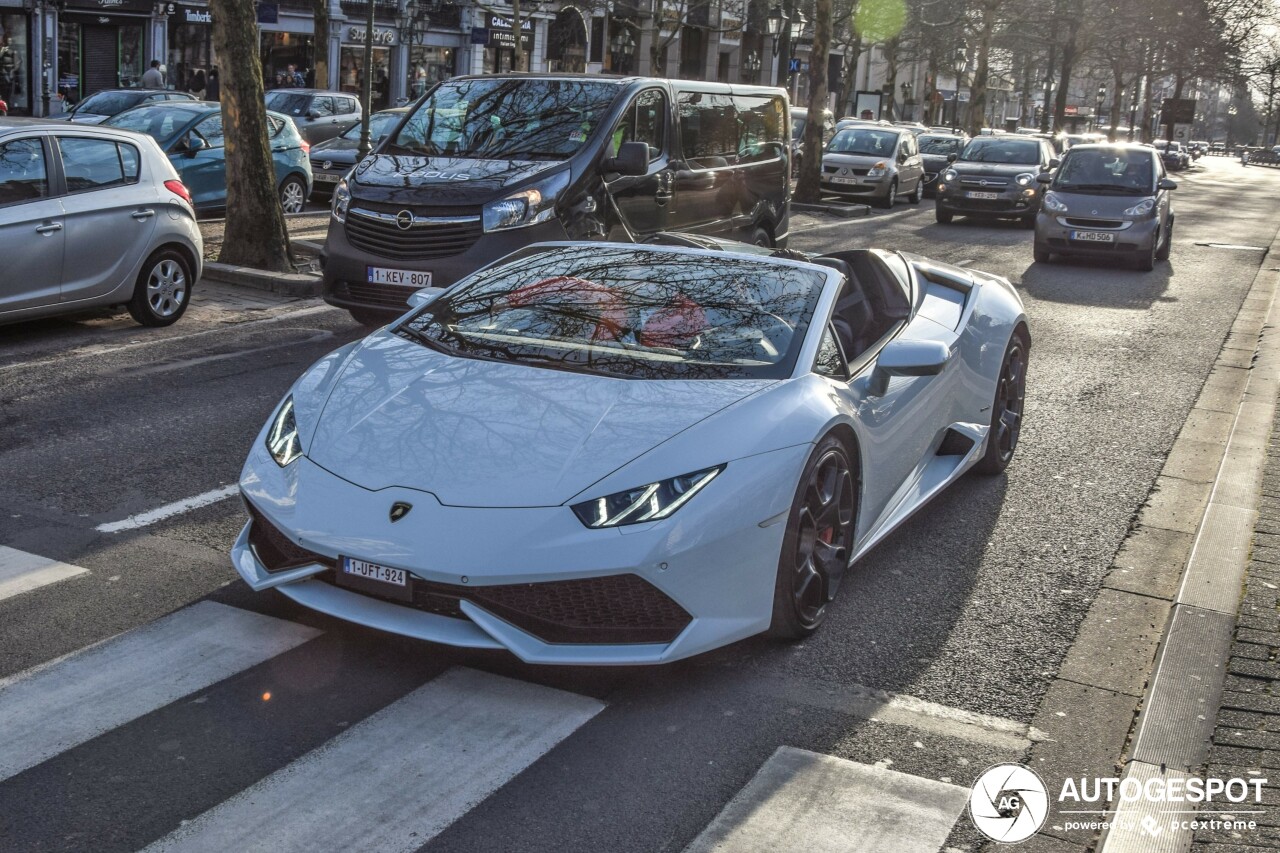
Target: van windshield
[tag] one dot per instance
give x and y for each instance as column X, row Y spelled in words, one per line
column 525, row 119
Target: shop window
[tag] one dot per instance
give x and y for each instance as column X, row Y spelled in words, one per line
column 14, row 88
column 23, row 176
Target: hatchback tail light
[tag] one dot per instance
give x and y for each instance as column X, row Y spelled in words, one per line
column 306, row 147
column 179, row 189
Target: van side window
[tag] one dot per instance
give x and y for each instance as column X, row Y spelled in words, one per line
column 645, row 121
column 708, row 130
column 762, row 128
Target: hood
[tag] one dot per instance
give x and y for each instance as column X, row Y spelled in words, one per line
column 490, row 434
column 860, row 161
column 88, row 118
column 1110, row 206
column 452, row 180
column 1003, row 170
column 934, row 162
column 338, row 149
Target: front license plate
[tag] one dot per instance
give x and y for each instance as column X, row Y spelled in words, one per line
column 326, row 179
column 844, row 180
column 377, row 579
column 987, row 196
column 1093, row 236
column 405, row 278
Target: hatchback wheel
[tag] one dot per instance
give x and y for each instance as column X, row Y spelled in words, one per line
column 918, row 195
column 888, row 200
column 163, row 289
column 818, row 541
column 293, row 194
column 1162, row 254
column 943, row 217
column 1041, row 254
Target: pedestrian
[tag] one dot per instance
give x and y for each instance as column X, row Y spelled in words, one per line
column 196, row 84
column 153, row 78
column 212, row 92
column 1244, row 156
column 310, row 78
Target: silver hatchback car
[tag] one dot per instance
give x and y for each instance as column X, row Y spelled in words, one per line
column 89, row 217
column 876, row 162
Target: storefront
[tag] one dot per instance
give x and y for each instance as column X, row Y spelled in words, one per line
column 102, row 45
column 567, row 42
column 352, row 58
column 429, row 64
column 287, row 45
column 500, row 44
column 15, row 60
column 190, row 48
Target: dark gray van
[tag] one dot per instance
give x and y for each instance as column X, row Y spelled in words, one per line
column 484, row 165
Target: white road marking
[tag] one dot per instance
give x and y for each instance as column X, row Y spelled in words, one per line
column 160, row 513
column 398, row 778
column 804, row 802
column 22, row 572
column 870, row 217
column 66, row 702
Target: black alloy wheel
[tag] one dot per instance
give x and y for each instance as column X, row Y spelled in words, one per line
column 1007, row 408
column 818, row 541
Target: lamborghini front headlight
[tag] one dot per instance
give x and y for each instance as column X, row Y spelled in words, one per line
column 283, row 441
column 653, row 502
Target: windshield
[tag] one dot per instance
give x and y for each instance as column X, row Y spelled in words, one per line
column 528, row 119
column 160, row 122
column 994, row 149
column 797, row 126
column 1106, row 170
column 865, row 141
column 939, row 145
column 291, row 103
column 109, row 103
column 380, row 124
column 630, row 313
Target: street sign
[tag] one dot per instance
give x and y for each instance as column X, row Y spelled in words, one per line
column 1182, row 133
column 793, row 66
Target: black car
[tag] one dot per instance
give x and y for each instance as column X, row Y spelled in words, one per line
column 331, row 160
column 101, row 106
column 995, row 176
column 485, row 165
column 935, row 148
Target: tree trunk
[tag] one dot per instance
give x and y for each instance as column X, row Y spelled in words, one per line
column 255, row 234
column 1067, row 66
column 1117, row 101
column 517, row 30
column 808, row 188
column 320, row 30
column 978, row 85
column 847, row 86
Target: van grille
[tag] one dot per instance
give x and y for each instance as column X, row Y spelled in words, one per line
column 426, row 238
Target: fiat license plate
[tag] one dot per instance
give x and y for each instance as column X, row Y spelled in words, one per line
column 982, row 195
column 405, row 278
column 377, row 579
column 1093, row 236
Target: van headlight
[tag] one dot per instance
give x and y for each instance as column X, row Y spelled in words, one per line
column 1142, row 208
column 529, row 206
column 1053, row 204
column 646, row 503
column 283, row 442
column 341, row 200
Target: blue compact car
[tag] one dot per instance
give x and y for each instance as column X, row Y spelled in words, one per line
column 190, row 134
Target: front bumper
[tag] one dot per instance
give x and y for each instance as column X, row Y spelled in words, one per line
column 346, row 283
column 1133, row 237
column 1009, row 201
column 713, row 560
column 877, row 188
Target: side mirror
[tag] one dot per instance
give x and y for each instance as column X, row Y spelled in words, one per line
column 1166, row 184
column 192, row 144
column 1055, row 163
column 951, row 158
column 424, row 295
column 632, row 159
column 313, row 115
column 1044, row 178
column 908, row 358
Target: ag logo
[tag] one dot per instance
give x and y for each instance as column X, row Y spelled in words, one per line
column 399, row 510
column 1009, row 803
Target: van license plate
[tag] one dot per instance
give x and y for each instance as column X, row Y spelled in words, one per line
column 1093, row 236
column 986, row 196
column 405, row 278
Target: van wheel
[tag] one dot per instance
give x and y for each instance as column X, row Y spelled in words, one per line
column 163, row 289
column 760, row 237
column 372, row 319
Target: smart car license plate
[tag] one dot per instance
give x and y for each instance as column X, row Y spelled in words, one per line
column 844, row 180
column 982, row 195
column 405, row 278
column 1093, row 236
column 377, row 579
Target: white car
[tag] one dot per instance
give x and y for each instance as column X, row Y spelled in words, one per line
column 620, row 454
column 90, row 217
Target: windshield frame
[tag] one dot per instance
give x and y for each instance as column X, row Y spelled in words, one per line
column 798, row 358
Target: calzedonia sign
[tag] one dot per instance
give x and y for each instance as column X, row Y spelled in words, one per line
column 501, row 32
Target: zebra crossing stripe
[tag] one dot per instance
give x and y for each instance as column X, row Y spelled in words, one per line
column 398, row 778
column 66, row 702
column 804, row 802
column 22, row 572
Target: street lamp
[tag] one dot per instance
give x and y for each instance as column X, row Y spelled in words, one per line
column 1097, row 110
column 366, row 90
column 751, row 65
column 623, row 46
column 961, row 62
column 773, row 24
column 1045, row 115
column 906, row 99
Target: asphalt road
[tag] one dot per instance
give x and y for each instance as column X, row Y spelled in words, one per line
column 969, row 608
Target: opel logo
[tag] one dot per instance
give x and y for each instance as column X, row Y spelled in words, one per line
column 327, row 164
column 399, row 510
column 404, row 220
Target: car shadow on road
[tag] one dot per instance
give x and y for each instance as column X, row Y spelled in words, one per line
column 1100, row 282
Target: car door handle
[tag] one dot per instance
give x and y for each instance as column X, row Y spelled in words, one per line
column 48, row 228
column 145, row 213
